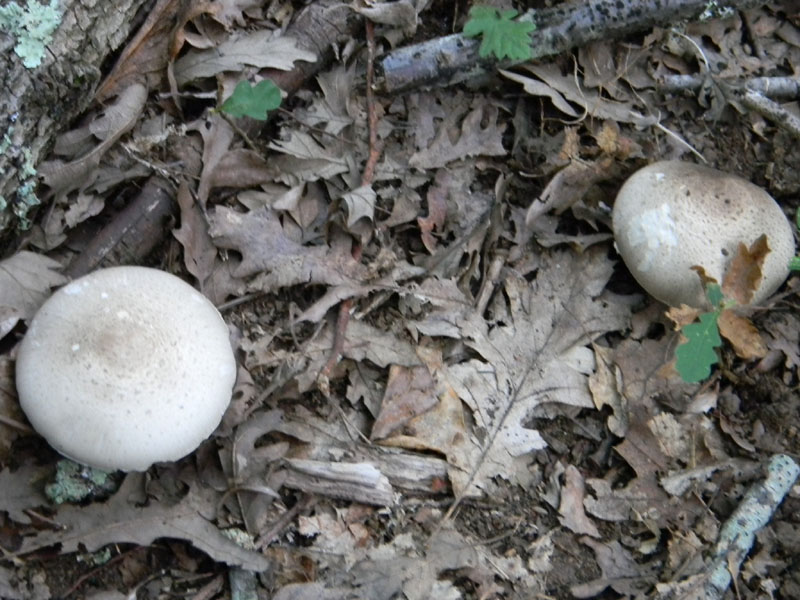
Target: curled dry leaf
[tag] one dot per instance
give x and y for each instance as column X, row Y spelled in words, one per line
column 25, row 282
column 262, row 49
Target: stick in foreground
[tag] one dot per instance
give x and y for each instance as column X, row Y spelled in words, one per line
column 739, row 531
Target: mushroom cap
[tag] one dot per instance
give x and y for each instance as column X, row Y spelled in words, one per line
column 673, row 215
column 125, row 367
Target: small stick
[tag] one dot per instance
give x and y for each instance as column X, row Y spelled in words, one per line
column 323, row 380
column 772, row 111
column 778, row 88
column 739, row 531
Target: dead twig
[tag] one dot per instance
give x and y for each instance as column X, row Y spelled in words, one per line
column 346, row 307
column 772, row 111
column 756, row 94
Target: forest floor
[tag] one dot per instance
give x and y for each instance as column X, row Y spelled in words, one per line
column 450, row 386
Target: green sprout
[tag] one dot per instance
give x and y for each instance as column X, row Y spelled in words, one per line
column 501, row 36
column 698, row 353
column 794, row 264
column 254, row 101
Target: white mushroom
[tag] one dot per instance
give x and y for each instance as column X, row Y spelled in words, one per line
column 125, row 367
column 672, row 215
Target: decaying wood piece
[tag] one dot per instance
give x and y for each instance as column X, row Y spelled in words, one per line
column 408, row 472
column 454, row 58
column 359, row 482
column 37, row 102
column 130, row 236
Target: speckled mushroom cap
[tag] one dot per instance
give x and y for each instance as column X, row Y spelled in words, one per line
column 672, row 215
column 125, row 367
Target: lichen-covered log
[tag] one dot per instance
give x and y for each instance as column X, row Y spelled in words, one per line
column 51, row 53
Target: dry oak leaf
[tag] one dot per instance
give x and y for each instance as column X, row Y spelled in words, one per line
column 21, row 490
column 539, row 353
column 25, row 282
column 536, row 354
column 118, row 117
column 265, row 248
column 744, row 271
column 262, row 48
column 565, row 86
column 199, row 252
column 306, row 159
column 473, row 140
column 571, row 507
column 437, row 209
column 147, row 53
column 409, row 392
column 742, row 334
column 119, row 521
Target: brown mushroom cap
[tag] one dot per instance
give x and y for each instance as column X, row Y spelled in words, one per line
column 673, row 215
column 125, row 367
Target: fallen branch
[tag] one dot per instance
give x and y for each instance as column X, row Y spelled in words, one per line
column 780, row 88
column 454, row 58
column 739, row 531
column 773, row 111
column 755, row 94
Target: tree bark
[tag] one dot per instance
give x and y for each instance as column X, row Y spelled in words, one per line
column 37, row 103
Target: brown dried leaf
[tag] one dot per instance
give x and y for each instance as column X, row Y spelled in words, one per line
column 568, row 186
column 473, row 140
column 784, row 335
column 261, row 48
column 437, row 209
column 742, row 334
column 199, row 252
column 119, row 117
column 567, row 86
column 120, row 521
column 231, row 12
column 146, row 54
column 217, row 136
column 409, row 392
column 306, row 159
column 682, row 315
column 619, row 571
column 399, row 14
column 535, row 87
column 744, row 271
column 543, row 327
column 25, row 282
column 606, row 387
column 21, row 490
column 705, row 278
column 260, row 238
column 360, row 204
column 571, row 510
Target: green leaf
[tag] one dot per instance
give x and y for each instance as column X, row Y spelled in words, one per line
column 696, row 355
column 714, row 294
column 253, row 101
column 500, row 36
column 794, row 264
